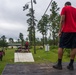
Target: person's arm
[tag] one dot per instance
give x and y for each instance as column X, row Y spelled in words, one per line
column 62, row 20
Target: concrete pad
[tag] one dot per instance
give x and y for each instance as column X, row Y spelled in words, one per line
column 23, row 57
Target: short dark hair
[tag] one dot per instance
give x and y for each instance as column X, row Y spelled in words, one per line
column 68, row 3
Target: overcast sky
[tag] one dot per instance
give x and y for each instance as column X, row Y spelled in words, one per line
column 13, row 18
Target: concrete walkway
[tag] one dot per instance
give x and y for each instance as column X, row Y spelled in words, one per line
column 36, row 69
column 23, row 57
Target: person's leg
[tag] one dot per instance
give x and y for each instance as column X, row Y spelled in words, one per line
column 73, row 53
column 59, row 64
column 60, row 55
column 72, row 56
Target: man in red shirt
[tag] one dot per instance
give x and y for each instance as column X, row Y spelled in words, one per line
column 67, row 35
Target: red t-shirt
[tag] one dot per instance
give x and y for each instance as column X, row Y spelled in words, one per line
column 70, row 19
column 26, row 43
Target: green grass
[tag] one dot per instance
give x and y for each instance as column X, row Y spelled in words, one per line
column 40, row 57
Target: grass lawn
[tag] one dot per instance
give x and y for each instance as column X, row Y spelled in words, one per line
column 40, row 57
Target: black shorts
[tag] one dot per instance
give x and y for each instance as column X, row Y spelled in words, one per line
column 67, row 40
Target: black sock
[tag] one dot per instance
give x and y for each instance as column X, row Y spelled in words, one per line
column 71, row 62
column 59, row 61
